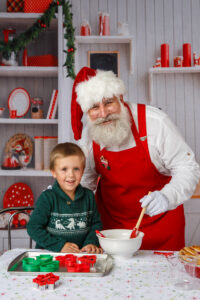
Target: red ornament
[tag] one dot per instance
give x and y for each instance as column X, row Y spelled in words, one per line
column 22, row 222
column 70, row 50
column 58, row 3
column 15, row 222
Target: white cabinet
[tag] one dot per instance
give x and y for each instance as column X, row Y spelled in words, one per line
column 20, row 239
column 39, row 82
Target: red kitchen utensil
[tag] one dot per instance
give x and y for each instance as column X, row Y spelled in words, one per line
column 99, row 233
column 134, row 232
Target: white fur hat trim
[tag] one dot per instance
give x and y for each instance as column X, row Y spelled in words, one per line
column 104, row 85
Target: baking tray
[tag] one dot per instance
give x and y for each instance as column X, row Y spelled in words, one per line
column 103, row 265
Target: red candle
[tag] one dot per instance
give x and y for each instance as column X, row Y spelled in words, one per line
column 164, row 48
column 187, row 55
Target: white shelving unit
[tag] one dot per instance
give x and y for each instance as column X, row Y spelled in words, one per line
column 170, row 70
column 106, row 40
column 40, row 80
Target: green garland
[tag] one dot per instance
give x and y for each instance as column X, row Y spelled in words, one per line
column 32, row 33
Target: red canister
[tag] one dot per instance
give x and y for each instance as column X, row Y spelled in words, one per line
column 104, row 23
column 164, row 49
column 187, row 55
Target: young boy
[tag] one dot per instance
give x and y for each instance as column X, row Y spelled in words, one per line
column 65, row 217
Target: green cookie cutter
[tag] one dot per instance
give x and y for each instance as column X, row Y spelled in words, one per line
column 29, row 264
column 44, row 259
column 50, row 267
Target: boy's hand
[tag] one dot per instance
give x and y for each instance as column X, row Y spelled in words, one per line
column 70, row 247
column 90, row 248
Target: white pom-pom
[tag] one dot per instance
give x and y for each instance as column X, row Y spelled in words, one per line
column 23, row 216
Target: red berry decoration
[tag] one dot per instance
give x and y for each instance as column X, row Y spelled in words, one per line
column 70, row 50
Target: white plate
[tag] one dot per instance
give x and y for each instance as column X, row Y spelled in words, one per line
column 19, row 99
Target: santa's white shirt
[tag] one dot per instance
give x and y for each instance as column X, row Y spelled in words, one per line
column 168, row 151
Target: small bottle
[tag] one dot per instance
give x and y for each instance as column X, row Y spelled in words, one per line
column 37, row 108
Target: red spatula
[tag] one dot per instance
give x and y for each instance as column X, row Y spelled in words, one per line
column 134, row 232
column 99, row 233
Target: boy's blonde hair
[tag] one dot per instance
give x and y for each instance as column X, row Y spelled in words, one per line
column 64, row 150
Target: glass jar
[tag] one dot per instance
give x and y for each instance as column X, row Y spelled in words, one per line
column 37, row 108
column 9, row 35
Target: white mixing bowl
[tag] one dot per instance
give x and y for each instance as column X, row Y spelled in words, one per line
column 117, row 242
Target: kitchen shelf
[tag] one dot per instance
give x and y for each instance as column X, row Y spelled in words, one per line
column 174, row 70
column 106, row 39
column 96, row 39
column 26, row 172
column 171, row 70
column 22, row 20
column 10, row 71
column 28, row 121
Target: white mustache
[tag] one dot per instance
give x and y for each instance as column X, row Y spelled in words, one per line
column 108, row 118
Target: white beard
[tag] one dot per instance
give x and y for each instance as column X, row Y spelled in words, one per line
column 111, row 134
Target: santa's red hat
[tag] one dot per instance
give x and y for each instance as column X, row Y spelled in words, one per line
column 90, row 87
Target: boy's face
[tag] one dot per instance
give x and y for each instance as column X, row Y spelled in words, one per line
column 68, row 172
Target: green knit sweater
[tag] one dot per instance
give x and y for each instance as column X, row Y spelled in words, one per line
column 57, row 219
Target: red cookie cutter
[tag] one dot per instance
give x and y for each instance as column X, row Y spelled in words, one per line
column 45, row 281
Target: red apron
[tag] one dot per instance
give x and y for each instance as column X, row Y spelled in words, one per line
column 126, row 177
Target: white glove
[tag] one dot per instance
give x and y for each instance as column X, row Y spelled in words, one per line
column 156, row 203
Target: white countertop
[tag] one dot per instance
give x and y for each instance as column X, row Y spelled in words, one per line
column 145, row 276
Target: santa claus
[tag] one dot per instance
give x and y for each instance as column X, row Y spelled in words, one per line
column 133, row 149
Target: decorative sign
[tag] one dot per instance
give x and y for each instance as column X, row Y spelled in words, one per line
column 104, row 60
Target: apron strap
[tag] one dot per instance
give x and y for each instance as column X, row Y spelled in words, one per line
column 142, row 127
column 133, row 126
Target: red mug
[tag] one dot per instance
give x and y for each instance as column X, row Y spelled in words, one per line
column 13, row 113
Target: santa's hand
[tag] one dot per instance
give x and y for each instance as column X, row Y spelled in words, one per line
column 155, row 202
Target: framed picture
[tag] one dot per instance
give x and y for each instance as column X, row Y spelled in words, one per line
column 104, row 60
